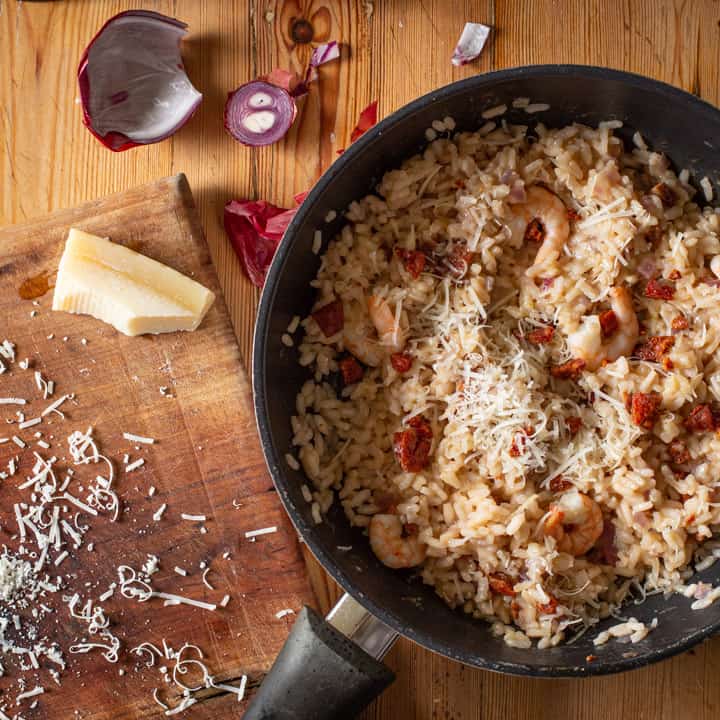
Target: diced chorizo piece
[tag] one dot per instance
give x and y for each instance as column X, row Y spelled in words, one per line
column 413, row 261
column 645, row 408
column 655, row 348
column 659, row 289
column 501, row 584
column 568, row 371
column 549, row 607
column 608, row 323
column 678, row 452
column 330, row 318
column 541, row 336
column 700, row 419
column 674, row 275
column 667, row 195
column 457, row 261
column 534, row 232
column 351, row 370
column 559, row 484
column 605, row 551
column 679, row 323
column 401, row 362
column 573, row 423
column 518, row 444
column 421, row 425
column 412, row 445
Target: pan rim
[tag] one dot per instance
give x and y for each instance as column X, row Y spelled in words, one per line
column 273, row 456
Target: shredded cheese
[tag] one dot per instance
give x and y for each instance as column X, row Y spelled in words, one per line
column 138, row 438
column 261, row 531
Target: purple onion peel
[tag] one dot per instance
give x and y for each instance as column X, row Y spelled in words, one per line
column 133, row 87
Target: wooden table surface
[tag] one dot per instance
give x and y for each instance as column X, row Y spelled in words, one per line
column 394, row 50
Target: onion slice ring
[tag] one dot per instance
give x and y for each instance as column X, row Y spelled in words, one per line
column 133, row 86
column 259, row 113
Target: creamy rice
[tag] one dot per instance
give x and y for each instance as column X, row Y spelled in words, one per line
column 509, row 438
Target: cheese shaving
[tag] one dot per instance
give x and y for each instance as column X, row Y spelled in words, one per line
column 138, row 438
column 261, row 531
column 134, row 465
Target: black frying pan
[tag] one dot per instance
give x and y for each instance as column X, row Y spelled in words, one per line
column 320, row 673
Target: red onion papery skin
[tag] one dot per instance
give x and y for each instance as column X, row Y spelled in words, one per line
column 256, row 98
column 470, row 44
column 255, row 228
column 287, row 80
column 97, row 107
column 368, row 118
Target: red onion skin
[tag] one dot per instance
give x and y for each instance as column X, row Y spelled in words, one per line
column 255, row 229
column 116, row 141
column 368, row 118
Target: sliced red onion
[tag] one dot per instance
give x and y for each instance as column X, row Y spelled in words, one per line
column 133, row 86
column 325, row 53
column 262, row 111
column 648, row 267
column 255, row 228
column 259, row 113
column 368, row 118
column 471, row 43
column 321, row 54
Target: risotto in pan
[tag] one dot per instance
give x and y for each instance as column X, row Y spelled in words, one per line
column 526, row 329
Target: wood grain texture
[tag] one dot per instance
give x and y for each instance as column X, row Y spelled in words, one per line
column 206, row 461
column 399, row 51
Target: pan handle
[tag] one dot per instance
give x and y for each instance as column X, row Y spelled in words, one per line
column 328, row 668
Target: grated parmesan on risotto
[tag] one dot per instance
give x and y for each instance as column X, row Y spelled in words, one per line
column 526, row 335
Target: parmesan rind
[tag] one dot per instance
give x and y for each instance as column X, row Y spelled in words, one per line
column 131, row 292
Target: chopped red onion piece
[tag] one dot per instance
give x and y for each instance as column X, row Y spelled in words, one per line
column 648, row 267
column 325, row 53
column 259, row 113
column 368, row 118
column 321, row 55
column 133, row 86
column 255, row 228
column 471, row 43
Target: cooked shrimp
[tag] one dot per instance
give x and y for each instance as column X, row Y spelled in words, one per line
column 547, row 208
column 379, row 320
column 357, row 336
column 588, row 344
column 576, row 523
column 386, row 323
column 392, row 546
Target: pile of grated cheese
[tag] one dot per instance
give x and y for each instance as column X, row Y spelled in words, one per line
column 53, row 522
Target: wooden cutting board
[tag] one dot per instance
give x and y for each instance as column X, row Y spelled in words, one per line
column 206, row 461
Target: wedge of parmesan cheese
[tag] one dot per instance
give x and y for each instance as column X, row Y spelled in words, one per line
column 131, row 292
